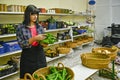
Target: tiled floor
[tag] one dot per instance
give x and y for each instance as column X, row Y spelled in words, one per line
column 69, row 60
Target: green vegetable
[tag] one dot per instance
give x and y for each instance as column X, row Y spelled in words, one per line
column 64, row 73
column 56, row 74
column 50, row 39
column 35, row 76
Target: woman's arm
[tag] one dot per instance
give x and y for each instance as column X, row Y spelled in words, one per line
column 22, row 38
column 37, row 38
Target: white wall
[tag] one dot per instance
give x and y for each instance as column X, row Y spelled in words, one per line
column 77, row 5
column 102, row 19
column 115, row 5
column 107, row 12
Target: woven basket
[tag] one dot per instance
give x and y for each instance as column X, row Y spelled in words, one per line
column 85, row 40
column 63, row 50
column 44, row 45
column 90, row 39
column 42, row 72
column 104, row 50
column 95, row 61
column 71, row 44
column 79, row 42
column 26, row 76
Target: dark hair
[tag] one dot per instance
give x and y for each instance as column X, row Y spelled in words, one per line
column 30, row 9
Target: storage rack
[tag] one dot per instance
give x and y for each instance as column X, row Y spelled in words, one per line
column 45, row 14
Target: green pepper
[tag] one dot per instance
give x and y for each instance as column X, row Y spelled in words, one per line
column 35, row 76
column 64, row 73
column 45, row 41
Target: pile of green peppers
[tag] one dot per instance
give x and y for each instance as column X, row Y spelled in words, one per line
column 50, row 39
column 56, row 74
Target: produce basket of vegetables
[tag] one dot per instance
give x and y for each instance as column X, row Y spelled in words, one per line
column 94, row 60
column 51, row 53
column 112, row 52
column 54, row 73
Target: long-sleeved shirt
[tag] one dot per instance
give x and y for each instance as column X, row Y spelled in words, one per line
column 23, row 34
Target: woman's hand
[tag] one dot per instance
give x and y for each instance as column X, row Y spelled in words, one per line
column 37, row 38
column 40, row 37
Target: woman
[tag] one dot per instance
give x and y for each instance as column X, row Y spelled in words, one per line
column 28, row 34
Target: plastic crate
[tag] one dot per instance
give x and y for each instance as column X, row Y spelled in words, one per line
column 11, row 46
column 52, row 25
column 1, row 50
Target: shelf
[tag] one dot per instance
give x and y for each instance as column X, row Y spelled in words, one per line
column 80, row 35
column 62, row 41
column 87, row 43
column 50, row 59
column 7, row 35
column 10, row 53
column 9, row 75
column 61, row 29
column 12, row 13
column 12, row 35
column 54, row 14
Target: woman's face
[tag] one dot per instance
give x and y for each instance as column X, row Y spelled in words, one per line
column 33, row 17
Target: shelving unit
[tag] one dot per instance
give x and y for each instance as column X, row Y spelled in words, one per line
column 47, row 14
column 48, row 59
column 9, row 75
column 10, row 53
column 53, row 30
column 7, row 35
column 80, row 35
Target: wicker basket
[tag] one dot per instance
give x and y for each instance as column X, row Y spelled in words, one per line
column 95, row 61
column 79, row 42
column 90, row 39
column 104, row 50
column 42, row 72
column 63, row 50
column 71, row 44
column 44, row 45
column 26, row 76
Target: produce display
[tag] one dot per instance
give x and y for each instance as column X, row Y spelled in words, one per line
column 107, row 73
column 7, row 29
column 51, row 53
column 8, row 68
column 63, row 35
column 56, row 74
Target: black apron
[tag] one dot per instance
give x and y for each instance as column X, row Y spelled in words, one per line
column 32, row 59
